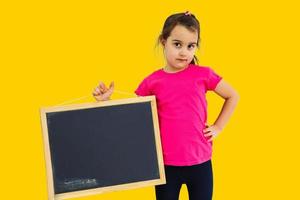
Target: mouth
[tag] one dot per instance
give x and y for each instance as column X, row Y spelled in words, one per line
column 181, row 60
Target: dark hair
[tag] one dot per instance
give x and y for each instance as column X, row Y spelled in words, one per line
column 185, row 19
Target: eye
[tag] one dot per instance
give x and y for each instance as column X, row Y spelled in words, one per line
column 191, row 46
column 177, row 44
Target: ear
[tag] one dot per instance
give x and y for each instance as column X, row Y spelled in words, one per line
column 163, row 42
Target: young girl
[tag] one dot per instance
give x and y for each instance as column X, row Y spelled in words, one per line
column 180, row 88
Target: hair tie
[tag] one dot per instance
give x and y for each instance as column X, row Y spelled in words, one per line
column 187, row 13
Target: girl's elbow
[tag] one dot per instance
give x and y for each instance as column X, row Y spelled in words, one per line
column 235, row 97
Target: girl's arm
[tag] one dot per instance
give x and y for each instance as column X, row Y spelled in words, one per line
column 231, row 97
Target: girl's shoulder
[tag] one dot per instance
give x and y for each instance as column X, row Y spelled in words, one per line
column 201, row 68
column 154, row 74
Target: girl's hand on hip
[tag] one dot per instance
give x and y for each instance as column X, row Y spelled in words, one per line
column 211, row 132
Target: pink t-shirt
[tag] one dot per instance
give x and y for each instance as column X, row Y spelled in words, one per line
column 182, row 112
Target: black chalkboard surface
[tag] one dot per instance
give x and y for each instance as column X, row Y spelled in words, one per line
column 102, row 146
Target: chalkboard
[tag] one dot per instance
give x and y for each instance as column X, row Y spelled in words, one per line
column 102, row 146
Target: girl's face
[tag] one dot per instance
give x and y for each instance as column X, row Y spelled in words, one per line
column 179, row 48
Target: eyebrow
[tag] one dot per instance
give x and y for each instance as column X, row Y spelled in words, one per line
column 175, row 40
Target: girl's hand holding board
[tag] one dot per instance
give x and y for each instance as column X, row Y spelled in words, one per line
column 102, row 93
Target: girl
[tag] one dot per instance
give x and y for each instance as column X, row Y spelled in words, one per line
column 180, row 88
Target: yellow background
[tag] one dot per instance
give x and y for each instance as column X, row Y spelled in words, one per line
column 56, row 51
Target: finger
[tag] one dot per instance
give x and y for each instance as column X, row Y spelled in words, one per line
column 208, row 134
column 105, row 89
column 98, row 90
column 102, row 90
column 95, row 94
column 112, row 85
column 102, row 86
column 110, row 89
column 207, row 130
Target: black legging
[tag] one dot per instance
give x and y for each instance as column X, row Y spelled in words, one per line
column 198, row 179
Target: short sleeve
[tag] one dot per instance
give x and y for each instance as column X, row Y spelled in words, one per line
column 143, row 88
column 212, row 79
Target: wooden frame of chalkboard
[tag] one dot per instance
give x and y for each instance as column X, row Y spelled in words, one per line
column 105, row 146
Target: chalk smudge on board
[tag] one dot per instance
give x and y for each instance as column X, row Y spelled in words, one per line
column 76, row 184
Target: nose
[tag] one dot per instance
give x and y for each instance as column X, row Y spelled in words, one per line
column 182, row 52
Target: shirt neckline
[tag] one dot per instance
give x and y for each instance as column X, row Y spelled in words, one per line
column 174, row 73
